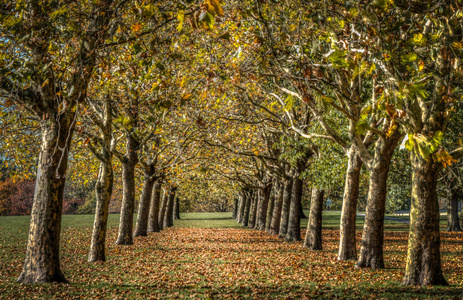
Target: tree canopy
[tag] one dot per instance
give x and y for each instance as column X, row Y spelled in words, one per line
column 233, row 105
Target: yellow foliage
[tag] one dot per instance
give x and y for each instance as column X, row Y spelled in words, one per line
column 214, row 7
column 136, row 27
column 444, row 157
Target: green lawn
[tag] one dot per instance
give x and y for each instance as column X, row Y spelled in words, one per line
column 14, row 230
column 331, row 220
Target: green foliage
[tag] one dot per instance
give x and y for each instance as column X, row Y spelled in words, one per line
column 424, row 146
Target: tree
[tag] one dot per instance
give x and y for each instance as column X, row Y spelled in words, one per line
column 422, row 78
column 36, row 80
column 313, row 238
column 102, row 117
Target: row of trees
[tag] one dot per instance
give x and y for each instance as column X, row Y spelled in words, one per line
column 264, row 95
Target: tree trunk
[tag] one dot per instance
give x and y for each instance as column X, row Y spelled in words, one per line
column 177, row 209
column 271, row 206
column 253, row 210
column 258, row 199
column 301, row 209
column 263, row 206
column 347, row 243
column 288, row 187
column 141, row 226
column 423, row 266
column 242, row 207
column 162, row 211
column 453, row 223
column 371, row 251
column 153, row 221
column 125, row 236
column 103, row 192
column 247, row 207
column 313, row 238
column 276, row 216
column 41, row 263
column 235, row 208
column 104, row 185
column 169, row 214
column 294, row 220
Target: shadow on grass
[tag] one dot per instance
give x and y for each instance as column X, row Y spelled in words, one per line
column 193, row 219
column 293, row 291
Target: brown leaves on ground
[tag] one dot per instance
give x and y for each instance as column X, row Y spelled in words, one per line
column 226, row 263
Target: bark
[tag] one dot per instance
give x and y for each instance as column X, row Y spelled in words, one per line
column 263, row 207
column 276, row 216
column 253, row 210
column 271, row 206
column 153, row 221
column 58, row 117
column 288, row 186
column 371, row 251
column 423, row 265
column 103, row 191
column 235, row 208
column 242, row 207
column 301, row 211
column 103, row 187
column 177, row 209
column 141, row 226
column 347, row 243
column 453, row 223
column 169, row 213
column 313, row 238
column 162, row 211
column 42, row 255
column 294, row 220
column 41, row 94
column 247, row 208
column 129, row 161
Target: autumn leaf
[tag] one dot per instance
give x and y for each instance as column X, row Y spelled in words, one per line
column 136, row 27
column 444, row 158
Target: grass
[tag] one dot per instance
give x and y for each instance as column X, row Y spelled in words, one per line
column 210, row 256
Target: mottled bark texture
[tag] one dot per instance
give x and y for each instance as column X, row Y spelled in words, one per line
column 241, row 207
column 104, row 184
column 347, row 241
column 153, row 220
column 453, row 223
column 371, row 251
column 253, row 209
column 177, row 209
column 423, row 265
column 128, row 161
column 58, row 116
column 103, row 191
column 42, row 255
column 313, row 238
column 294, row 220
column 271, row 206
column 263, row 206
column 141, row 225
column 162, row 211
column 287, row 191
column 276, row 216
column 169, row 214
